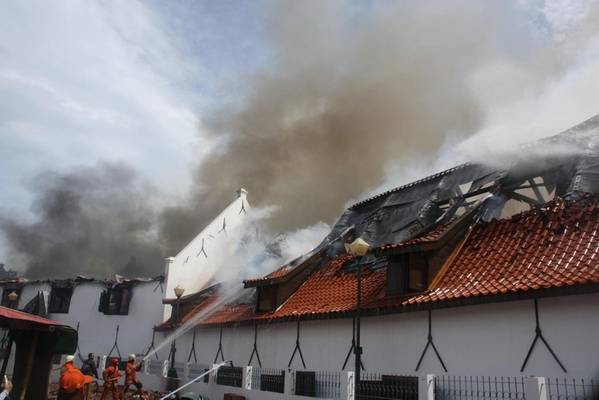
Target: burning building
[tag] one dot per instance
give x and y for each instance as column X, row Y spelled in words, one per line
column 115, row 317
column 478, row 269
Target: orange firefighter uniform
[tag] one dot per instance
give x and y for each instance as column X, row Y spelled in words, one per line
column 111, row 377
column 131, row 376
column 72, row 382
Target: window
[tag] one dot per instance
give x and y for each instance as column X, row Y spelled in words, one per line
column 407, row 273
column 115, row 300
column 60, row 300
column 10, row 297
column 267, row 298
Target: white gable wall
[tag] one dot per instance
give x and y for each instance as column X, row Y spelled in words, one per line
column 199, row 261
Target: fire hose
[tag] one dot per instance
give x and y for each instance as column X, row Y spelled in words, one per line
column 197, row 378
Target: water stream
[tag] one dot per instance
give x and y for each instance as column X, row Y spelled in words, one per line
column 231, row 294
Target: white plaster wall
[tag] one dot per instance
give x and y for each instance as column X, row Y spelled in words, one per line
column 191, row 268
column 97, row 330
column 486, row 339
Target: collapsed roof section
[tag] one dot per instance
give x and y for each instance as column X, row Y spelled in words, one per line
column 533, row 174
column 438, row 226
column 117, row 280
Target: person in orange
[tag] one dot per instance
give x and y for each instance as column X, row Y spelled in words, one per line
column 131, row 376
column 111, row 377
column 72, row 381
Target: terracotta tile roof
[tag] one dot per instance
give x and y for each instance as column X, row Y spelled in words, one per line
column 230, row 313
column 277, row 273
column 330, row 290
column 552, row 246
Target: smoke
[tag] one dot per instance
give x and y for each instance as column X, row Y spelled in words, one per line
column 356, row 97
column 352, row 90
column 89, row 220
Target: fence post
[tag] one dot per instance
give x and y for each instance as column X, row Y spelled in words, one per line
column 247, row 377
column 289, row 390
column 426, row 387
column 185, row 372
column 102, row 365
column 535, row 388
column 347, row 385
column 213, row 375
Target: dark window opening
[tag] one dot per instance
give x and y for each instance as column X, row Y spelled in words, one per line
column 115, row 301
column 11, row 297
column 267, row 298
column 418, row 273
column 407, row 273
column 60, row 300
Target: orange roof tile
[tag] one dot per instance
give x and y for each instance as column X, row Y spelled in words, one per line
column 551, row 246
column 331, row 290
column 548, row 247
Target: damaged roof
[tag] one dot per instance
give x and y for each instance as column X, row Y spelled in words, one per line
column 118, row 279
column 552, row 244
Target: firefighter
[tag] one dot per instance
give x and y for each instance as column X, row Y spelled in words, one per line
column 72, row 381
column 131, row 376
column 111, row 377
column 89, row 368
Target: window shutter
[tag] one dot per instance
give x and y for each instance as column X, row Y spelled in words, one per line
column 103, row 301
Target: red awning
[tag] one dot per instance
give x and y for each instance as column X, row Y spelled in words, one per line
column 14, row 315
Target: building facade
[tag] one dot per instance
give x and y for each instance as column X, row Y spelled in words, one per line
column 476, row 270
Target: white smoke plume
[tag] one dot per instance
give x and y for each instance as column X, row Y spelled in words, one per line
column 360, row 97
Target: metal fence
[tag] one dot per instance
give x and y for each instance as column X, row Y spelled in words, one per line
column 377, row 386
column 268, row 379
column 229, row 376
column 571, row 389
column 195, row 370
column 448, row 387
column 155, row 367
column 180, row 368
column 320, row 384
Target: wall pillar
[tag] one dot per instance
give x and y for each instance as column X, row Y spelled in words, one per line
column 289, row 378
column 102, row 365
column 247, row 378
column 347, row 385
column 213, row 374
column 165, row 368
column 185, row 372
column 426, row 387
column 535, row 388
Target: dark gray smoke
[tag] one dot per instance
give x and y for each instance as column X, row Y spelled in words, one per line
column 350, row 89
column 346, row 95
column 91, row 221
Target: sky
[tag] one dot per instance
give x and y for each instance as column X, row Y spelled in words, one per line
column 84, row 83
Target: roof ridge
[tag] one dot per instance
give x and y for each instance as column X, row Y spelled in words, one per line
column 410, row 184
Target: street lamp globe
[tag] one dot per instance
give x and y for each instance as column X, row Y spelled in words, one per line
column 13, row 296
column 357, row 248
column 179, row 291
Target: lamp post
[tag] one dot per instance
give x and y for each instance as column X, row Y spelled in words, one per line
column 176, row 319
column 13, row 297
column 358, row 248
